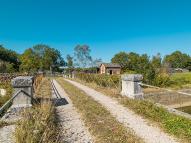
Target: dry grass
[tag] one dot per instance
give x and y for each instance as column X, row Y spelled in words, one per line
column 38, row 124
column 44, row 90
column 7, row 86
column 101, row 123
column 3, row 123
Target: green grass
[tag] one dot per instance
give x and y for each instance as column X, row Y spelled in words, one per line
column 101, row 123
column 171, row 123
column 179, row 80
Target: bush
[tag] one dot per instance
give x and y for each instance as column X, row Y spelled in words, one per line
column 100, row 79
column 162, row 80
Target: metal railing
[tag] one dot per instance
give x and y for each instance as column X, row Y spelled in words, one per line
column 8, row 103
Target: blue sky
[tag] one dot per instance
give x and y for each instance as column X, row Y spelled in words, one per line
column 107, row 26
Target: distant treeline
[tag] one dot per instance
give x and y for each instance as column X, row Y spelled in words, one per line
column 135, row 62
column 155, row 69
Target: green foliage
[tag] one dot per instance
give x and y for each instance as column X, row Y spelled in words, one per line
column 100, row 79
column 178, row 60
column 69, row 61
column 156, row 61
column 30, row 61
column 122, row 59
column 82, row 56
column 180, row 79
column 162, row 80
column 8, row 60
column 40, row 57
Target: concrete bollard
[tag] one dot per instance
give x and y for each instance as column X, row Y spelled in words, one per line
column 3, row 92
column 24, row 83
column 131, row 87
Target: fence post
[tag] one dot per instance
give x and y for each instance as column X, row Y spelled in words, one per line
column 131, row 87
column 24, row 83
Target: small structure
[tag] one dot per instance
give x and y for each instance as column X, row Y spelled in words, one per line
column 131, row 86
column 23, row 85
column 110, row 68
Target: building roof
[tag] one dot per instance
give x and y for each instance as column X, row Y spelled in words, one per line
column 111, row 65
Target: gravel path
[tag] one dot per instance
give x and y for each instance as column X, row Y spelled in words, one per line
column 73, row 128
column 6, row 134
column 141, row 127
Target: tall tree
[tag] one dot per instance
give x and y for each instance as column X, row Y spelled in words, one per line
column 96, row 62
column 45, row 56
column 177, row 60
column 156, row 61
column 82, row 56
column 30, row 61
column 122, row 59
column 9, row 58
column 69, row 61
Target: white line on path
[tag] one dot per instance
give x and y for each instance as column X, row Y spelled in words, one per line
column 150, row 134
column 73, row 128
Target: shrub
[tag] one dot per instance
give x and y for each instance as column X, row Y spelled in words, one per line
column 162, row 80
column 100, row 79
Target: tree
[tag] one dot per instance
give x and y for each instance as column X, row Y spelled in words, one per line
column 9, row 57
column 177, row 60
column 97, row 62
column 122, row 59
column 156, row 61
column 41, row 57
column 69, row 61
column 29, row 61
column 82, row 56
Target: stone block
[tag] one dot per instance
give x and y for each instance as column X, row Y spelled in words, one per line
column 3, row 92
column 131, row 87
column 24, row 83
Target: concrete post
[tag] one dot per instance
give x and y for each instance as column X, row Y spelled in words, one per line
column 24, row 83
column 73, row 74
column 131, row 87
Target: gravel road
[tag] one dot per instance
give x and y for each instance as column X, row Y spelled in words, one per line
column 72, row 127
column 150, row 133
column 6, row 134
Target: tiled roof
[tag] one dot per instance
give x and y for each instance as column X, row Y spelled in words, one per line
column 111, row 65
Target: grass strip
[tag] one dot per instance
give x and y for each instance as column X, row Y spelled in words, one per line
column 175, row 125
column 101, row 123
column 44, row 90
column 38, row 124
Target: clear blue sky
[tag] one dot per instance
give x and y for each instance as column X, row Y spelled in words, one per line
column 107, row 26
